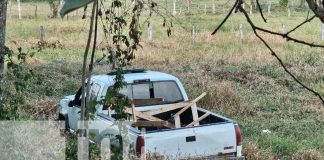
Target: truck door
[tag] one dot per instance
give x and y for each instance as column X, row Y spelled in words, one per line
column 74, row 116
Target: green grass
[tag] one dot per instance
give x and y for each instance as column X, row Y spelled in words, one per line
column 243, row 81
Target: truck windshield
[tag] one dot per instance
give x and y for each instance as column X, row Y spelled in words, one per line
column 167, row 91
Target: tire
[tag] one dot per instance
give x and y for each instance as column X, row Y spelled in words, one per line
column 65, row 119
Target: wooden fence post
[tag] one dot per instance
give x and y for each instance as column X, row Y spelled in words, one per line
column 19, row 9
column 174, row 8
column 193, row 33
column 241, row 32
column 149, row 32
column 269, row 7
column 205, row 9
column 36, row 11
column 213, row 7
column 251, row 8
column 188, row 6
column 41, row 34
column 289, row 13
column 283, row 29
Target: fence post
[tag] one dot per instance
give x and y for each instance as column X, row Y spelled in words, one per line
column 289, row 13
column 188, row 6
column 193, row 33
column 241, row 32
column 36, row 11
column 174, row 8
column 251, row 8
column 213, row 6
column 269, row 7
column 205, row 9
column 41, row 34
column 19, row 9
column 149, row 32
column 283, row 29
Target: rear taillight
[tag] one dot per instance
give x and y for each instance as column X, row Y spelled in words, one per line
column 238, row 135
column 140, row 145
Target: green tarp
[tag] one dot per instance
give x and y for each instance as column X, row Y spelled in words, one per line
column 71, row 5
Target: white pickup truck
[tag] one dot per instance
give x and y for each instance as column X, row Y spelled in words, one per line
column 214, row 137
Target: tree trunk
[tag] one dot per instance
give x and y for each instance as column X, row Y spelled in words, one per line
column 3, row 15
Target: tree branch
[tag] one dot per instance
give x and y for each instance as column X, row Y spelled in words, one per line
column 227, row 16
column 318, row 10
column 254, row 28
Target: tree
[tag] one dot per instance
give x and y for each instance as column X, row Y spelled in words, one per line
column 3, row 15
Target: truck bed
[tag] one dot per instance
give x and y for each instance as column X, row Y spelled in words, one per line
column 186, row 118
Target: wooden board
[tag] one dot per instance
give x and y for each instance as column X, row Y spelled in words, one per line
column 194, row 111
column 147, row 117
column 133, row 110
column 167, row 108
column 150, row 123
column 199, row 119
column 190, row 104
column 147, row 101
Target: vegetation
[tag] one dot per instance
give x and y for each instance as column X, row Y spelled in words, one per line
column 242, row 79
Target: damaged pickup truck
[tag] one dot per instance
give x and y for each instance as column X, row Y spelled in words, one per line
column 174, row 126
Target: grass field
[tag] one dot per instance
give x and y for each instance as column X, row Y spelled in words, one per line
column 243, row 81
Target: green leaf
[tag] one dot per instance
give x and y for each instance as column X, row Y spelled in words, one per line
column 71, row 5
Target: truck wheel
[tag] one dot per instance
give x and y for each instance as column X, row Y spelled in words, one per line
column 65, row 119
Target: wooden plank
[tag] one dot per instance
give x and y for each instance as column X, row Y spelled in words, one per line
column 167, row 108
column 147, row 101
column 199, row 119
column 190, row 104
column 150, row 123
column 177, row 121
column 133, row 110
column 147, row 117
column 194, row 111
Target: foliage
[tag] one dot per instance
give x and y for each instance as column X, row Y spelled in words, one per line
column 13, row 84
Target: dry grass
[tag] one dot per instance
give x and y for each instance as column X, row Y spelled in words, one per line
column 243, row 81
column 253, row 152
column 311, row 154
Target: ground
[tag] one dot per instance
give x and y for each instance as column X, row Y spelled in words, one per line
column 243, row 81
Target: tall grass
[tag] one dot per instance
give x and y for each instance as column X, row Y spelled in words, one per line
column 243, row 81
